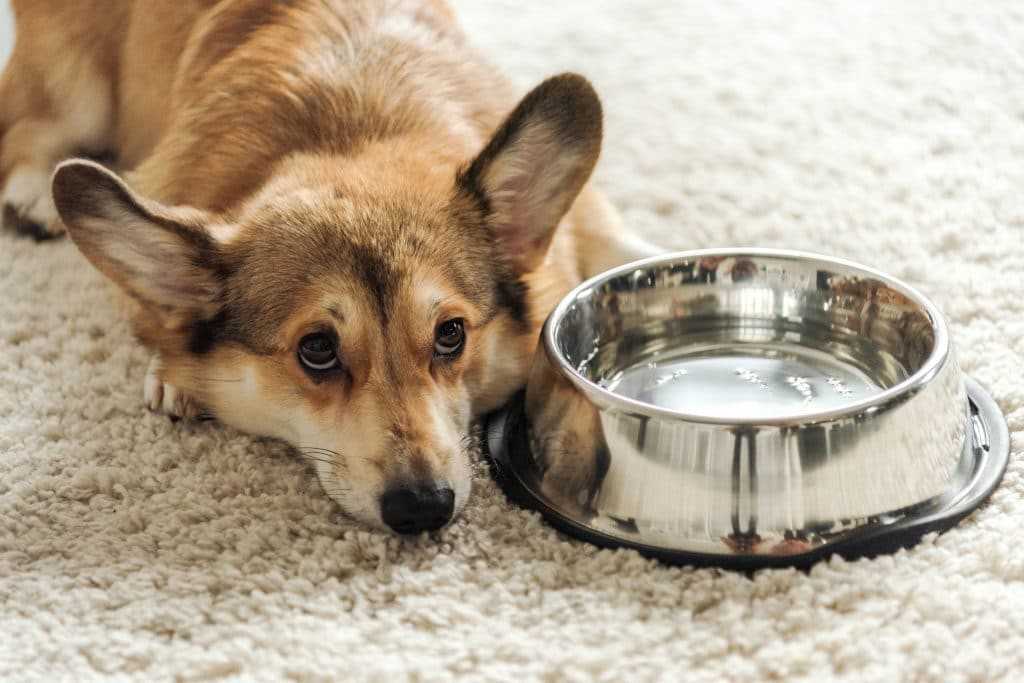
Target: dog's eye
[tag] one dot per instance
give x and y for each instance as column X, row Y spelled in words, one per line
column 449, row 338
column 317, row 352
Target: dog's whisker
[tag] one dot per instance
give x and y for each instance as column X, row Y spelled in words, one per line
column 324, row 455
column 317, row 448
column 336, row 490
column 319, row 458
column 343, row 458
column 323, row 460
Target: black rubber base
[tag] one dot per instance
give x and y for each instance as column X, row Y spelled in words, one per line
column 505, row 443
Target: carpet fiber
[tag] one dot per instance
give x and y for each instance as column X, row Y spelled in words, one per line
column 889, row 133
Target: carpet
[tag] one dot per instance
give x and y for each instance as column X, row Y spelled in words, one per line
column 135, row 549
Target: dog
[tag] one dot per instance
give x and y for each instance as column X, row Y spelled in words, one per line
column 335, row 224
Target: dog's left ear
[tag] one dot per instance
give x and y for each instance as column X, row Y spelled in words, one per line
column 162, row 256
column 535, row 165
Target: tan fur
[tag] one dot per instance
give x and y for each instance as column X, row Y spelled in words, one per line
column 306, row 167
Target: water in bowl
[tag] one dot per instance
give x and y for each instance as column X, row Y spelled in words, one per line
column 745, row 381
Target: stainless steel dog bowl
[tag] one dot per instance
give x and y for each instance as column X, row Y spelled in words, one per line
column 748, row 407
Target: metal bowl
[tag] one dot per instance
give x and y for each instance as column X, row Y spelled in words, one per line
column 746, row 407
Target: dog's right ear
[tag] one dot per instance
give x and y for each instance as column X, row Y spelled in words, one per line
column 162, row 256
column 534, row 166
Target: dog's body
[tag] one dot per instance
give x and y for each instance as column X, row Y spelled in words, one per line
column 316, row 245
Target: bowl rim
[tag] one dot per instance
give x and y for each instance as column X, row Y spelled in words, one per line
column 604, row 398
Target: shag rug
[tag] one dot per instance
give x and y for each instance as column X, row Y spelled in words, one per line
column 132, row 548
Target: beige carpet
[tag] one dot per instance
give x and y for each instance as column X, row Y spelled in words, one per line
column 890, row 133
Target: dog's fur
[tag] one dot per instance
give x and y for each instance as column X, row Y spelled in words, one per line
column 315, row 165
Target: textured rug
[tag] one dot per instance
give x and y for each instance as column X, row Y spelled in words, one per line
column 889, row 133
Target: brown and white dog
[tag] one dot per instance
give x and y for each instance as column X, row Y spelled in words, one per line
column 335, row 224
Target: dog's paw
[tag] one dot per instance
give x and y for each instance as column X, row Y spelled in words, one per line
column 165, row 398
column 28, row 206
column 573, row 468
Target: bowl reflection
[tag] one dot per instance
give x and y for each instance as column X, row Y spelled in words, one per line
column 742, row 402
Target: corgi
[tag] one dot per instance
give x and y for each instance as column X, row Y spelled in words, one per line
column 336, row 224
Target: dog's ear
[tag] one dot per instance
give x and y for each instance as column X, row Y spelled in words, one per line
column 535, row 165
column 162, row 256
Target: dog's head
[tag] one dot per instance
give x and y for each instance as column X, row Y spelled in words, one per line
column 365, row 308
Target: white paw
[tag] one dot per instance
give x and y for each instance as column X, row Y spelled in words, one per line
column 162, row 397
column 28, row 205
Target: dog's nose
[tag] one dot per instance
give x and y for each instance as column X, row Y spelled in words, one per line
column 412, row 510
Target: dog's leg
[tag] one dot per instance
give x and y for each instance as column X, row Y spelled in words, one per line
column 163, row 397
column 46, row 115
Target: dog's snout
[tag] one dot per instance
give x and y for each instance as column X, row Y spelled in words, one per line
column 410, row 510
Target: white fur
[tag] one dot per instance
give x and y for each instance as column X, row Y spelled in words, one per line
column 450, row 424
column 224, row 232
column 244, row 403
column 343, row 445
column 407, row 30
column 163, row 397
column 28, row 191
column 153, row 385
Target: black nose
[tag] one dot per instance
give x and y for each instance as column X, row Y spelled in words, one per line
column 412, row 510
